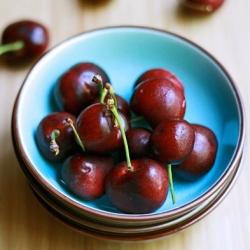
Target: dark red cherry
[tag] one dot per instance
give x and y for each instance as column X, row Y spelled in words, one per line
column 172, row 141
column 202, row 6
column 159, row 73
column 75, row 89
column 84, row 174
column 24, row 41
column 99, row 130
column 138, row 142
column 141, row 190
column 65, row 139
column 158, row 99
column 202, row 158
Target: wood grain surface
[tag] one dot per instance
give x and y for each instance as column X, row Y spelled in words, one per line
column 24, row 223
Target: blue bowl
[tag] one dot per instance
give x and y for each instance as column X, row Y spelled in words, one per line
column 125, row 53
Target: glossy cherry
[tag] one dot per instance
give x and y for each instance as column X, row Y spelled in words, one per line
column 75, row 89
column 159, row 73
column 202, row 6
column 201, row 160
column 158, row 99
column 172, row 141
column 140, row 190
column 84, row 174
column 24, row 41
column 99, row 130
column 55, row 138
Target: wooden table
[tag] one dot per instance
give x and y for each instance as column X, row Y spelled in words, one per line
column 24, row 223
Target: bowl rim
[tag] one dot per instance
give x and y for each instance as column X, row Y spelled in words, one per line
column 164, row 230
column 122, row 228
column 120, row 216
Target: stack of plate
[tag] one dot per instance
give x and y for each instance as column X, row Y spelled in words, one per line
column 212, row 100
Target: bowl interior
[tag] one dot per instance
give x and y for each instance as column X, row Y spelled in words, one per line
column 125, row 53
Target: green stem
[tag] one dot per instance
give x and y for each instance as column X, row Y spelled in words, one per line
column 125, row 142
column 54, row 147
column 169, row 169
column 103, row 91
column 70, row 122
column 103, row 94
column 4, row 48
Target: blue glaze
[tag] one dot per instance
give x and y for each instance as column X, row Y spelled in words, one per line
column 125, row 53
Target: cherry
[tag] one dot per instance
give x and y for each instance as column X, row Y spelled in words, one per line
column 202, row 6
column 172, row 141
column 55, row 138
column 159, row 73
column 84, row 174
column 138, row 142
column 202, row 158
column 75, row 89
column 99, row 130
column 23, row 41
column 158, row 99
column 141, row 190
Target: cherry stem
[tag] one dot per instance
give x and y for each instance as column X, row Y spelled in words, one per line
column 169, row 169
column 103, row 95
column 110, row 89
column 98, row 80
column 54, row 147
column 70, row 122
column 4, row 48
column 104, row 90
column 111, row 106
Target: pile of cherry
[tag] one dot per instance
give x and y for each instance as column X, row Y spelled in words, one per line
column 105, row 148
